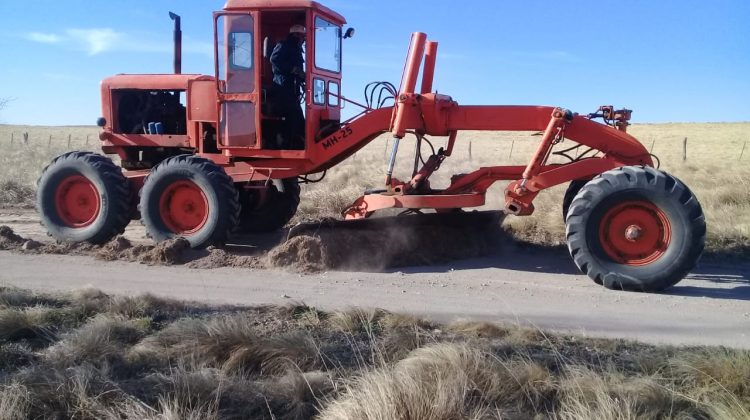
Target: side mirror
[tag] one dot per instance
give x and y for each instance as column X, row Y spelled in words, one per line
column 349, row 33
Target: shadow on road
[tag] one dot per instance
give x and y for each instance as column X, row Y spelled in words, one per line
column 721, row 282
column 522, row 258
column 735, row 293
column 726, row 278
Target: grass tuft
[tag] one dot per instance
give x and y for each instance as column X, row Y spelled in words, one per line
column 586, row 394
column 443, row 381
column 478, row 329
column 14, row 402
column 100, row 341
column 15, row 194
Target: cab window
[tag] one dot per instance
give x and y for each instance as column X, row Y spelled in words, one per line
column 327, row 45
column 241, row 50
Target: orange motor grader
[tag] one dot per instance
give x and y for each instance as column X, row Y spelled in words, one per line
column 200, row 155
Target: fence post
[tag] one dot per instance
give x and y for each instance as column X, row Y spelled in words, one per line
column 470, row 151
column 513, row 143
column 87, row 139
column 68, row 140
column 12, row 138
column 743, row 150
column 684, row 149
column 26, row 138
column 49, row 142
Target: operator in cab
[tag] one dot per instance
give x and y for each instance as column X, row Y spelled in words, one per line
column 287, row 64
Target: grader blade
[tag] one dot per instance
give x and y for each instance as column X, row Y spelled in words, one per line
column 457, row 219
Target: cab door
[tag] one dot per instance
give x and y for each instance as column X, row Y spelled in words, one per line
column 324, row 66
column 236, row 49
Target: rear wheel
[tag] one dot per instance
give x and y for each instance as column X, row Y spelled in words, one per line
column 268, row 209
column 191, row 197
column 636, row 228
column 83, row 197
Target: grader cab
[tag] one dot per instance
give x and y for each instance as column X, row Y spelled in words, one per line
column 234, row 113
column 203, row 156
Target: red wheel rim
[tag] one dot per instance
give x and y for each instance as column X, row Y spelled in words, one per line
column 183, row 207
column 635, row 233
column 77, row 201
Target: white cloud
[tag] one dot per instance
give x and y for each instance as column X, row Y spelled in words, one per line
column 95, row 41
column 101, row 40
column 43, row 38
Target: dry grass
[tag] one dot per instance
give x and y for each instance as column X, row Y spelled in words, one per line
column 713, row 171
column 22, row 163
column 591, row 395
column 445, row 381
column 14, row 399
column 105, row 357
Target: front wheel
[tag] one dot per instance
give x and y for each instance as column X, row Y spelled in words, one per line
column 636, row 228
column 573, row 188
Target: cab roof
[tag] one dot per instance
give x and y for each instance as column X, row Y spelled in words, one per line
column 282, row 4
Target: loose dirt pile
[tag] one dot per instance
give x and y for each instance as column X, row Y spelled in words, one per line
column 172, row 252
column 175, row 251
column 169, row 252
column 8, row 239
column 218, row 258
column 302, row 253
column 114, row 248
column 327, row 249
column 389, row 247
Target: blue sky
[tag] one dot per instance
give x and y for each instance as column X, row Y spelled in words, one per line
column 668, row 60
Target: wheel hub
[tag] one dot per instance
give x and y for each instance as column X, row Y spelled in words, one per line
column 635, row 233
column 183, row 207
column 77, row 201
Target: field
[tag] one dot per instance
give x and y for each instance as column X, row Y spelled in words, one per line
column 717, row 169
column 87, row 355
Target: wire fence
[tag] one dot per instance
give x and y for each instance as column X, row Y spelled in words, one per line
column 91, row 140
column 51, row 140
column 682, row 147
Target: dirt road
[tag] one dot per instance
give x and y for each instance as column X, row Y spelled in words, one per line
column 710, row 307
column 537, row 288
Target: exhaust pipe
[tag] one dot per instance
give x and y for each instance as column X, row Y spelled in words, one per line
column 177, row 43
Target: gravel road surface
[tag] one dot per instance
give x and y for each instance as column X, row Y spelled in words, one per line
column 711, row 307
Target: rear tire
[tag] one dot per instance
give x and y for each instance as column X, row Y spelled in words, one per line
column 636, row 228
column 83, row 197
column 191, row 197
column 263, row 214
